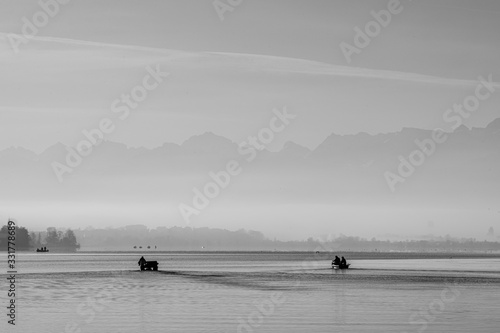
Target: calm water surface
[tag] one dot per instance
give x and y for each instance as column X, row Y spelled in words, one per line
column 253, row 292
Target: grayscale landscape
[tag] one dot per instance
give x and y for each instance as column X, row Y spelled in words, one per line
column 204, row 165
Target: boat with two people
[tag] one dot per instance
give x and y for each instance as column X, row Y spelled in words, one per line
column 338, row 263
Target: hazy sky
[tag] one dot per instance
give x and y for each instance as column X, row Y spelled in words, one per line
column 417, row 67
column 227, row 76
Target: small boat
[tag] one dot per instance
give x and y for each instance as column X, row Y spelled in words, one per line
column 147, row 265
column 346, row 266
column 43, row 249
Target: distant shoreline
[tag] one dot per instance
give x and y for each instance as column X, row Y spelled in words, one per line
column 306, row 255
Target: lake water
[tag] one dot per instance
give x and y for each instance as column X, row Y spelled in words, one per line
column 252, row 292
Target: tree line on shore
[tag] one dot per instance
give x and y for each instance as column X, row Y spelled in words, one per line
column 52, row 239
column 140, row 237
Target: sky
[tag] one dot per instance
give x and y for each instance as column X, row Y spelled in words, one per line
column 91, row 52
column 227, row 76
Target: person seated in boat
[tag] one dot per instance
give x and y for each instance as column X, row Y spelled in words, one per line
column 142, row 261
column 343, row 262
column 336, row 261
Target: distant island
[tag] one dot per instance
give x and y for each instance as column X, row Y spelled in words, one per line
column 53, row 240
column 141, row 238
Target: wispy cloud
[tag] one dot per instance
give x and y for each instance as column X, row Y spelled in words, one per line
column 256, row 62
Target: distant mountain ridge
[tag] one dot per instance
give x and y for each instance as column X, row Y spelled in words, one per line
column 342, row 179
column 209, row 142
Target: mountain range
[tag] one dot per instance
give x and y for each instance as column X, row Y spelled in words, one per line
column 344, row 177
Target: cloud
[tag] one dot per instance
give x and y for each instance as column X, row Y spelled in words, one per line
column 312, row 67
column 264, row 63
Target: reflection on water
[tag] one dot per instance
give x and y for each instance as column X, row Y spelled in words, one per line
column 254, row 293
